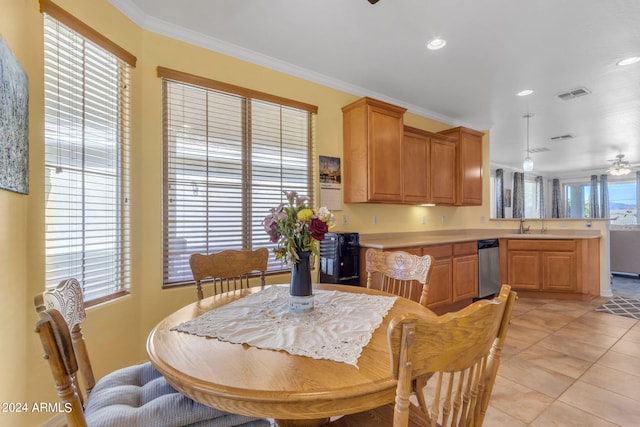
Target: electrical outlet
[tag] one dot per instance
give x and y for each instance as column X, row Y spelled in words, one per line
column 424, row 219
column 444, row 219
column 375, row 219
column 482, row 219
column 345, row 220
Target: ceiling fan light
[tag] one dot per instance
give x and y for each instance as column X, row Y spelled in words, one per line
column 436, row 44
column 619, row 171
column 524, row 92
column 527, row 165
column 628, row 61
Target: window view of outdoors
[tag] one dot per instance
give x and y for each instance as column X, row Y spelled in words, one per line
column 622, row 201
column 577, row 200
column 531, row 205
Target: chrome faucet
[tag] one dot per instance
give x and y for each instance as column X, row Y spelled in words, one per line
column 523, row 230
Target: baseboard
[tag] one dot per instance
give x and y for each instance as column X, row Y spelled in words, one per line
column 59, row 420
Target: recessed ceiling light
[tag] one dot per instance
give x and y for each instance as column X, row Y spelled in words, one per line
column 436, row 44
column 525, row 92
column 628, row 61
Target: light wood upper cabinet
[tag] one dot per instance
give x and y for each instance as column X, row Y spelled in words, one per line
column 415, row 170
column 428, row 169
column 442, row 167
column 373, row 132
column 469, row 165
column 387, row 162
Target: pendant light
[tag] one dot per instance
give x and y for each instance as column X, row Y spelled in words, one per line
column 527, row 164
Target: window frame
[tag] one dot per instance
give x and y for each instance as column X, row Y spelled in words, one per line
column 176, row 271
column 111, row 135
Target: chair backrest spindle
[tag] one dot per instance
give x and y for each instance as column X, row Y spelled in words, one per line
column 459, row 352
column 228, row 270
column 67, row 299
column 59, row 352
column 400, row 272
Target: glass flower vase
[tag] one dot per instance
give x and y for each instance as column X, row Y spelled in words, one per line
column 300, row 288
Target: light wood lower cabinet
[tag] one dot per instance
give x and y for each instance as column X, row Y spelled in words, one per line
column 453, row 280
column 465, row 277
column 441, row 278
column 561, row 268
column 465, row 271
column 454, row 273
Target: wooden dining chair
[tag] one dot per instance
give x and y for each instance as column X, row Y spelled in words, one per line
column 135, row 395
column 399, row 273
column 459, row 352
column 228, row 270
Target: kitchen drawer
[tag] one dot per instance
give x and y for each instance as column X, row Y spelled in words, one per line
column 438, row 251
column 542, row 245
column 466, row 248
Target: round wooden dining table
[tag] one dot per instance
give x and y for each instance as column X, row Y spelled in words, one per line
column 293, row 390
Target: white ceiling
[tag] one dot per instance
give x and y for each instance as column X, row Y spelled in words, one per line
column 495, row 48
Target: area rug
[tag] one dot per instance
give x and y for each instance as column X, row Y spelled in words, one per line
column 622, row 306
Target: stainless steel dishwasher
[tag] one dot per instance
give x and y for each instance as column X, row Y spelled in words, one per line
column 488, row 267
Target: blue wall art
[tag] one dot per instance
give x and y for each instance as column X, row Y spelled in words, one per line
column 14, row 123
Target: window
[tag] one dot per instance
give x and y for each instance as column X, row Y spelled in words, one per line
column 623, row 206
column 86, row 157
column 229, row 155
column 531, row 199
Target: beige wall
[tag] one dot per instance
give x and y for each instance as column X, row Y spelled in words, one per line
column 19, row 30
column 116, row 332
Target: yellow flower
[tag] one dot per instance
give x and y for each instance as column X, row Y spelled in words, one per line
column 305, row 214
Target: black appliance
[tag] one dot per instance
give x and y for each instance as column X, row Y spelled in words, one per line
column 339, row 258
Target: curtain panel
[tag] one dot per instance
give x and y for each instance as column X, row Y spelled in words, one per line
column 556, row 199
column 604, row 197
column 593, row 198
column 518, row 195
column 540, row 191
column 499, row 193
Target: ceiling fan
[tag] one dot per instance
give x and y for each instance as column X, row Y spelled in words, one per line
column 619, row 166
column 373, row 1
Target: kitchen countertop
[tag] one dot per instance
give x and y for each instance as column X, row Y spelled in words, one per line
column 411, row 239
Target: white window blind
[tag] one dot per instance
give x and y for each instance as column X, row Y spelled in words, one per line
column 86, row 163
column 228, row 159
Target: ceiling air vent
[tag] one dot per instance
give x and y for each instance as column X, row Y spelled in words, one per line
column 575, row 93
column 561, row 137
column 539, row 150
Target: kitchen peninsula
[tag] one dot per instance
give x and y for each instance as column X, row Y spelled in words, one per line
column 553, row 264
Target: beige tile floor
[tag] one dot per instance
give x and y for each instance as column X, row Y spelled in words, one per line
column 564, row 364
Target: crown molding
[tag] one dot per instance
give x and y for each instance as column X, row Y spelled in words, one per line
column 168, row 29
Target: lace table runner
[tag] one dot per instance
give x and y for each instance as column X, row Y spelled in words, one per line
column 338, row 329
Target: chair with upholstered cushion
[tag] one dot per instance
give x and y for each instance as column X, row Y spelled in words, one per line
column 399, row 273
column 228, row 270
column 458, row 352
column 133, row 396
